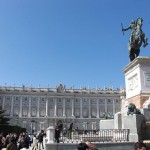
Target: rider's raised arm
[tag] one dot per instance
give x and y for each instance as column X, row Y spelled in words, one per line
column 126, row 28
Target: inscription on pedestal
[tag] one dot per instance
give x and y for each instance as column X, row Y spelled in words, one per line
column 147, row 79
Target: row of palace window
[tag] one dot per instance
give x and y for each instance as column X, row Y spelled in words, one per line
column 86, row 112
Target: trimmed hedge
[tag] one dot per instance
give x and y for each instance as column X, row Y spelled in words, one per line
column 5, row 129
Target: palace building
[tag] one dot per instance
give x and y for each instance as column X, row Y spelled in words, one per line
column 39, row 108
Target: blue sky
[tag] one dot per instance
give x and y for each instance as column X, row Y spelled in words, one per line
column 75, row 42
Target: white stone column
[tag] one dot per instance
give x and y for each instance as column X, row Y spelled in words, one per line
column 81, row 115
column 20, row 114
column 97, row 103
column 3, row 105
column 29, row 113
column 64, row 108
column 113, row 106
column 89, row 108
column 55, row 108
column 105, row 105
column 46, row 107
column 72, row 107
column 38, row 107
column 12, row 106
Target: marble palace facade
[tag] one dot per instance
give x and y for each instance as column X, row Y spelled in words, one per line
column 38, row 108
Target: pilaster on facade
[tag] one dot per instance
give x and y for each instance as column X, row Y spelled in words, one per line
column 64, row 107
column 113, row 106
column 55, row 107
column 20, row 113
column 81, row 115
column 89, row 107
column 29, row 113
column 72, row 107
column 12, row 106
column 105, row 105
column 97, row 104
column 46, row 107
column 3, row 105
column 38, row 107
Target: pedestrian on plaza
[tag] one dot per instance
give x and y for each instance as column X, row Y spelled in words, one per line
column 12, row 145
column 90, row 146
column 40, row 140
column 139, row 146
column 57, row 134
column 35, row 143
column 2, row 142
column 82, row 146
column 24, row 142
column 8, row 138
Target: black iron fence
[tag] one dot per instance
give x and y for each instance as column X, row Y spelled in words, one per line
column 108, row 135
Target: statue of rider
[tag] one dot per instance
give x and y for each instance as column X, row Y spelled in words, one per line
column 133, row 28
column 137, row 37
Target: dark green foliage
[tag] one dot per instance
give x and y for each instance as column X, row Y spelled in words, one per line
column 3, row 119
column 5, row 129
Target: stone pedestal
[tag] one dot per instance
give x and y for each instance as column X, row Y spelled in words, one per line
column 50, row 134
column 134, row 123
column 118, row 121
column 137, row 80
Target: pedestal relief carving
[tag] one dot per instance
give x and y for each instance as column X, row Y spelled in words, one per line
column 133, row 82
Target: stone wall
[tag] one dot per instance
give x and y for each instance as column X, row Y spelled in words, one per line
column 100, row 146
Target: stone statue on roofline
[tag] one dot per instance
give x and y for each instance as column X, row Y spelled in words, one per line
column 137, row 38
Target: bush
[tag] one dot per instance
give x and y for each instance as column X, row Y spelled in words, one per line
column 5, row 129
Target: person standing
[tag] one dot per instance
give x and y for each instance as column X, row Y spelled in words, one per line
column 40, row 140
column 139, row 146
column 35, row 143
column 2, row 142
column 57, row 134
column 24, row 142
column 12, row 145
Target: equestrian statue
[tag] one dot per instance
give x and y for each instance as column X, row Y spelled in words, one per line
column 137, row 38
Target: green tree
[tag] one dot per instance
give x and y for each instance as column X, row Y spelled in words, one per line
column 3, row 119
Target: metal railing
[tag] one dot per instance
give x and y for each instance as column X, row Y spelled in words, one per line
column 108, row 135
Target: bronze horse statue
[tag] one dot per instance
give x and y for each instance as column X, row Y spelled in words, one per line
column 137, row 38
